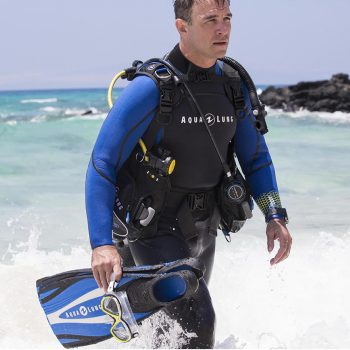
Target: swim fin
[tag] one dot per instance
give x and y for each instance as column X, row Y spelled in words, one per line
column 72, row 300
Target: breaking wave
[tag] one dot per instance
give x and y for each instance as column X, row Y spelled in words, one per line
column 40, row 100
column 336, row 118
column 51, row 113
column 301, row 303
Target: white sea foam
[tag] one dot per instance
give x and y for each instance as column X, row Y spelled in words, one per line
column 303, row 114
column 28, row 265
column 38, row 119
column 301, row 303
column 74, row 111
column 49, row 109
column 98, row 116
column 11, row 122
column 78, row 112
column 40, row 100
column 93, row 110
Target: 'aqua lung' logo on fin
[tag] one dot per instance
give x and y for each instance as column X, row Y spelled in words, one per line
column 210, row 118
column 90, row 308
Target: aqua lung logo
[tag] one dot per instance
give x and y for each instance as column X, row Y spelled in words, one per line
column 82, row 311
column 236, row 192
column 210, row 118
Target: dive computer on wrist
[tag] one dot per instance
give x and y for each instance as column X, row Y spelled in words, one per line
column 277, row 213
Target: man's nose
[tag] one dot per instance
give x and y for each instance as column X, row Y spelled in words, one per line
column 223, row 28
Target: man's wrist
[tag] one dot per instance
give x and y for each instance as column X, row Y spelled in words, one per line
column 102, row 244
column 277, row 213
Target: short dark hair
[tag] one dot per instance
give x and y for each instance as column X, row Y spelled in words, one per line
column 183, row 8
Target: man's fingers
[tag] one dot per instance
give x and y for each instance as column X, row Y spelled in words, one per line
column 287, row 252
column 281, row 252
column 271, row 236
column 276, row 229
column 270, row 243
column 108, row 276
column 97, row 277
column 104, row 260
column 278, row 256
column 117, row 269
column 103, row 279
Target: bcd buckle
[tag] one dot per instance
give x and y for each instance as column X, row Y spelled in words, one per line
column 197, row 201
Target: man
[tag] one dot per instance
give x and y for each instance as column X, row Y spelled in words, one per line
column 204, row 27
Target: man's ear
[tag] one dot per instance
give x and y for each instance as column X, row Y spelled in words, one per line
column 181, row 26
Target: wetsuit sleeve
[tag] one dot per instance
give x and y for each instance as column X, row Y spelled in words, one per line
column 255, row 160
column 125, row 124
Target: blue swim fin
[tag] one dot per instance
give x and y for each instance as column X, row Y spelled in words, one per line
column 72, row 300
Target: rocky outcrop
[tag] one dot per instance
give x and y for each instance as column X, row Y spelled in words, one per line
column 325, row 96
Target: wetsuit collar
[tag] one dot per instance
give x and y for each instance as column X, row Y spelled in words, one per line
column 177, row 58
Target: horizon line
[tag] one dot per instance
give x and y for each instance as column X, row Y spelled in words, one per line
column 98, row 88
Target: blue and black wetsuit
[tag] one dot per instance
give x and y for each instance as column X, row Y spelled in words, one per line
column 198, row 170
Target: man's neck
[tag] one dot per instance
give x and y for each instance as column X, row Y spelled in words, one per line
column 196, row 59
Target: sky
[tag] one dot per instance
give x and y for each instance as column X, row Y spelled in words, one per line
column 48, row 44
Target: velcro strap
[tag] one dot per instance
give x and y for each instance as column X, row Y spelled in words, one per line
column 166, row 102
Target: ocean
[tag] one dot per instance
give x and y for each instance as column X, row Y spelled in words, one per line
column 46, row 139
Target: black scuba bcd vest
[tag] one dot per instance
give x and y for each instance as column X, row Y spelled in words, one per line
column 184, row 133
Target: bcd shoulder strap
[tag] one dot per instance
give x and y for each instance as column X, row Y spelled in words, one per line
column 166, row 85
column 164, row 79
column 233, row 89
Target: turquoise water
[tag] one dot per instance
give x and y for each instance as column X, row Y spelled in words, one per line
column 45, row 146
column 46, row 142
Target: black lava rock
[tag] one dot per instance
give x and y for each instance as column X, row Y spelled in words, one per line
column 323, row 96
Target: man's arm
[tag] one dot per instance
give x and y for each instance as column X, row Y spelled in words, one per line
column 255, row 160
column 125, row 124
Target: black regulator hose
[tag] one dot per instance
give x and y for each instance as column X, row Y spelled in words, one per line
column 258, row 108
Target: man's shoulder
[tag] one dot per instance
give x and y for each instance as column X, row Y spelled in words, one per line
column 143, row 86
column 145, row 81
column 141, row 93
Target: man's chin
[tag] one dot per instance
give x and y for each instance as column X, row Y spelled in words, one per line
column 220, row 52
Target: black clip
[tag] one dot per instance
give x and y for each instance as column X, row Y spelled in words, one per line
column 226, row 235
column 166, row 102
column 197, row 201
column 260, row 123
column 130, row 72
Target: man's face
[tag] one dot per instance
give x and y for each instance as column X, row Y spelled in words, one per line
column 209, row 33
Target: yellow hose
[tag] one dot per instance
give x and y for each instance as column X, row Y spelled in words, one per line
column 110, row 105
column 111, row 86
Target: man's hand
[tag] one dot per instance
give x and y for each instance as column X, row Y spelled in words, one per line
column 276, row 229
column 104, row 260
